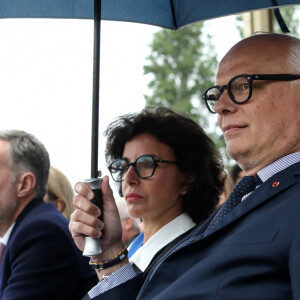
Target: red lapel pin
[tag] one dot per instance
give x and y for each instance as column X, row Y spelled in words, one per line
column 275, row 184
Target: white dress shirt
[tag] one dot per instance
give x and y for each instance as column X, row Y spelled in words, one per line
column 178, row 226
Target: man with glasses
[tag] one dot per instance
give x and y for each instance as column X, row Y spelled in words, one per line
column 250, row 247
column 239, row 88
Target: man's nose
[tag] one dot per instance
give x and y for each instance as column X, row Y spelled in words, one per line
column 224, row 104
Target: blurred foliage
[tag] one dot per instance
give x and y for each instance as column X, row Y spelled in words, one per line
column 182, row 64
column 290, row 15
column 239, row 24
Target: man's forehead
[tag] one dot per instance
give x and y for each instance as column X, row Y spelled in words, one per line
column 4, row 144
column 251, row 57
column 233, row 67
column 4, row 151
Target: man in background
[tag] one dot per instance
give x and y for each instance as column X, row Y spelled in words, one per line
column 130, row 227
column 236, row 173
column 39, row 258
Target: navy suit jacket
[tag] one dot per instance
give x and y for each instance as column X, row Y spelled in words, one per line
column 41, row 260
column 252, row 253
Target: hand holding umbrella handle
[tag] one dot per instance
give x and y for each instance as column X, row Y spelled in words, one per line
column 92, row 245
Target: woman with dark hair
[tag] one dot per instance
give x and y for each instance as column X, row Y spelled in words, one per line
column 169, row 172
column 194, row 152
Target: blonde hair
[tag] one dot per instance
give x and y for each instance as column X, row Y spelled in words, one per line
column 59, row 187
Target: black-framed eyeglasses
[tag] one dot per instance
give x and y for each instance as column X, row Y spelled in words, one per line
column 144, row 167
column 239, row 88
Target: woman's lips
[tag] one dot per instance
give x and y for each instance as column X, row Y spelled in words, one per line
column 132, row 197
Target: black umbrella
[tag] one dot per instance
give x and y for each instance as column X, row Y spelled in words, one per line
column 171, row 14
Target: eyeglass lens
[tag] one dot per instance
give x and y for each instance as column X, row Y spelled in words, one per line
column 238, row 90
column 144, row 167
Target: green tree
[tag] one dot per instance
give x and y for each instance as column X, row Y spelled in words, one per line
column 290, row 15
column 182, row 64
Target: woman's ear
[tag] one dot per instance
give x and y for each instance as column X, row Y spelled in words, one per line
column 26, row 184
column 60, row 204
column 189, row 179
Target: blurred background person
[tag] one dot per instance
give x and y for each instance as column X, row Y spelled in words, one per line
column 236, row 174
column 60, row 192
column 227, row 189
column 40, row 260
column 141, row 225
column 130, row 225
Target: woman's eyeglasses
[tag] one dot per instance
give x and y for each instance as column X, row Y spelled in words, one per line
column 144, row 167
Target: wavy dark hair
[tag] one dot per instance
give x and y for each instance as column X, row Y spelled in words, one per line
column 194, row 151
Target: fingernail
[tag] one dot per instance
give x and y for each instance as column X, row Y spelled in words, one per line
column 97, row 212
column 90, row 195
column 99, row 226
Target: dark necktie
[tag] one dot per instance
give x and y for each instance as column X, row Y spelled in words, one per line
column 245, row 186
column 2, row 248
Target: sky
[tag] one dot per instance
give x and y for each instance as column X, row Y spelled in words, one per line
column 46, row 81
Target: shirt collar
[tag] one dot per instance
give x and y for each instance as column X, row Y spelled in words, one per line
column 278, row 165
column 4, row 239
column 178, row 226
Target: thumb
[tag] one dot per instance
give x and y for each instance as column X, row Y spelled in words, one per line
column 106, row 189
column 107, row 192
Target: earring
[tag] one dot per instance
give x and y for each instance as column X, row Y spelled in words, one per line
column 183, row 192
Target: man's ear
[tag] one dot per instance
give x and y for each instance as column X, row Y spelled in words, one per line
column 26, row 184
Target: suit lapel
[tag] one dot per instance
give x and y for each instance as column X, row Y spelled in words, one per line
column 273, row 186
column 262, row 194
column 3, row 267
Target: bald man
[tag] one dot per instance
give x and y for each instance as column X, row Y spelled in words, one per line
column 250, row 248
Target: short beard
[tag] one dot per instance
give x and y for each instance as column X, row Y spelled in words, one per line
column 245, row 161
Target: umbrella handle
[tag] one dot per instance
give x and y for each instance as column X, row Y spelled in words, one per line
column 92, row 246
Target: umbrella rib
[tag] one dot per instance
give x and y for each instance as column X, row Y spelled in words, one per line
column 173, row 14
column 279, row 18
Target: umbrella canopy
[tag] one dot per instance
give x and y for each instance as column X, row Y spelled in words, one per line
column 171, row 14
